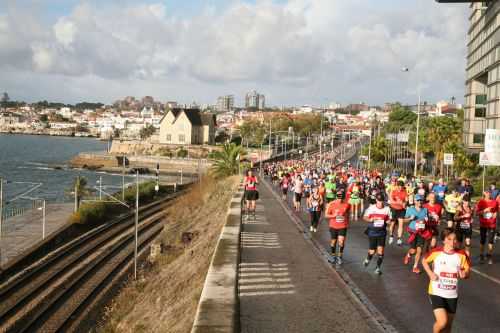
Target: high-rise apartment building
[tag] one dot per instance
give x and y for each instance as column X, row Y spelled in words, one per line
column 255, row 100
column 225, row 103
column 482, row 97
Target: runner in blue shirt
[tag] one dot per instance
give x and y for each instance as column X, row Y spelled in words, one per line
column 417, row 216
column 440, row 189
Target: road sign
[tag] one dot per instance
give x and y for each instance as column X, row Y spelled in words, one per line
column 488, row 159
column 300, row 151
column 448, row 159
column 363, row 158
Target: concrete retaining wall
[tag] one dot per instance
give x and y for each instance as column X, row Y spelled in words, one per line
column 218, row 309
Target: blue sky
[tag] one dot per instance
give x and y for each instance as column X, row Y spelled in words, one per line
column 293, row 51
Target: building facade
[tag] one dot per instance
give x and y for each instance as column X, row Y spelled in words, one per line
column 482, row 97
column 225, row 103
column 255, row 100
column 187, row 127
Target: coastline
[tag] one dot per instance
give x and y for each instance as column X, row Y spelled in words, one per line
column 48, row 132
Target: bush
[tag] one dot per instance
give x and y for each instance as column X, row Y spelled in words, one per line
column 164, row 151
column 182, row 153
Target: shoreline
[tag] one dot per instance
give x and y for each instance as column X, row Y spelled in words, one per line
column 54, row 134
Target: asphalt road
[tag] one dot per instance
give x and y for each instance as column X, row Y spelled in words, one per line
column 401, row 296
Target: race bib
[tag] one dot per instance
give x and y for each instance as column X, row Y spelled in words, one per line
column 488, row 215
column 378, row 223
column 464, row 225
column 441, row 194
column 419, row 225
column 339, row 219
column 421, row 191
column 315, row 204
column 448, row 281
column 328, row 190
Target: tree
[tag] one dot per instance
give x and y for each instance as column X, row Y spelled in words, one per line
column 79, row 190
column 379, row 149
column 227, row 161
column 147, row 132
column 5, row 98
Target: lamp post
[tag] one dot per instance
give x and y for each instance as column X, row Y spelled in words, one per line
column 136, row 224
column 1, row 218
column 406, row 69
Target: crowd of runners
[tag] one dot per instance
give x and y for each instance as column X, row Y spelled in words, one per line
column 436, row 219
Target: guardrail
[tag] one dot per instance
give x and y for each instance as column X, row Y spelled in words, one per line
column 218, row 308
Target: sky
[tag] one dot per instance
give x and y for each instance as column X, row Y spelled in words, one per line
column 295, row 52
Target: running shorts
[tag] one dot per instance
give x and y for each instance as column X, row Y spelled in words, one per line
column 449, row 304
column 284, row 190
column 397, row 214
column 487, row 234
column 449, row 216
column 298, row 197
column 251, row 195
column 463, row 233
column 375, row 242
column 335, row 233
column 419, row 241
column 328, row 200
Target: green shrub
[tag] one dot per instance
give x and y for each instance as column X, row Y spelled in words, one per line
column 181, row 152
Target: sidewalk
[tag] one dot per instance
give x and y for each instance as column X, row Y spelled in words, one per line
column 21, row 232
column 284, row 286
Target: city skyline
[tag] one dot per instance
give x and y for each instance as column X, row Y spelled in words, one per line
column 295, row 52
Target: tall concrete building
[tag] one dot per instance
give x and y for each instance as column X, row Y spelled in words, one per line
column 482, row 97
column 255, row 100
column 225, row 103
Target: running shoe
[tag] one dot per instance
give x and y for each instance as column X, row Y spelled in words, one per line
column 406, row 259
column 490, row 260
column 366, row 263
column 400, row 242
column 315, row 230
column 311, row 229
column 339, row 261
column 378, row 271
column 332, row 259
column 416, row 270
column 391, row 240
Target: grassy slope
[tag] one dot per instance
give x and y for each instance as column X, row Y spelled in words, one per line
column 166, row 297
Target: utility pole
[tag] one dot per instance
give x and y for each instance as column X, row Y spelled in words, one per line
column 43, row 219
column 123, row 178
column 416, row 136
column 1, row 218
column 136, row 221
column 100, row 188
column 76, row 193
column 270, row 137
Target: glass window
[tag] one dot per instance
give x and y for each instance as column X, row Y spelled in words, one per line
column 481, row 99
column 480, row 112
column 182, row 138
column 478, row 139
column 169, row 137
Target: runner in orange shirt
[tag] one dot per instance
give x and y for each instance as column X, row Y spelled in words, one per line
column 397, row 202
column 338, row 214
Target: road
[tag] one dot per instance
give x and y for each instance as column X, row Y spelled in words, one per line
column 400, row 295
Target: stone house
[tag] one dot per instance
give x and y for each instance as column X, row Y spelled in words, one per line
column 187, row 127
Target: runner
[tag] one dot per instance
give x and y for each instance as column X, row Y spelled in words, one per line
column 284, row 184
column 251, row 195
column 314, row 204
column 451, row 202
column 440, row 189
column 418, row 217
column 398, row 208
column 448, row 265
column 435, row 212
column 330, row 188
column 355, row 200
column 486, row 209
column 378, row 215
column 338, row 214
column 464, row 218
column 298, row 188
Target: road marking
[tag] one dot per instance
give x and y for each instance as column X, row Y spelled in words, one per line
column 486, row 276
column 255, row 269
column 242, row 274
column 267, row 293
column 261, row 280
column 267, row 286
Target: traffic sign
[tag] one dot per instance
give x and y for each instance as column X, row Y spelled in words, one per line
column 300, row 151
column 448, row 159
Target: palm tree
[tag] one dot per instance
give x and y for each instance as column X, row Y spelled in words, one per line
column 79, row 190
column 227, row 161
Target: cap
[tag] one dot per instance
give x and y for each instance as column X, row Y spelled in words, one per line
column 419, row 197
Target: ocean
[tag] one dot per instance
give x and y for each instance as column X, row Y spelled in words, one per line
column 27, row 161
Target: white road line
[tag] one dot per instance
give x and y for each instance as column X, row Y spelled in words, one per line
column 267, row 286
column 262, row 280
column 246, row 275
column 260, row 247
column 486, row 276
column 254, row 269
column 267, row 293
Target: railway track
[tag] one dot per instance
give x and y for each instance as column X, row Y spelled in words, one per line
column 49, row 294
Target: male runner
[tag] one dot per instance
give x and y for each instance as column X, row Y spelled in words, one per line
column 378, row 216
column 251, row 195
column 338, row 214
column 398, row 197
column 486, row 209
column 451, row 202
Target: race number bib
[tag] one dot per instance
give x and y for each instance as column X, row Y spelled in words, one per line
column 328, row 190
column 419, row 225
column 441, row 194
column 339, row 219
column 488, row 215
column 378, row 223
column 464, row 225
column 448, row 281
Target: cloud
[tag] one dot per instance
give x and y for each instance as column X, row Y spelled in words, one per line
column 300, row 51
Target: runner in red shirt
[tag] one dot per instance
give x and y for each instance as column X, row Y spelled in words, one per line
column 486, row 209
column 338, row 214
column 251, row 194
column 398, row 199
column 435, row 211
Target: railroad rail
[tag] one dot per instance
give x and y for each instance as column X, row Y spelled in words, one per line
column 49, row 294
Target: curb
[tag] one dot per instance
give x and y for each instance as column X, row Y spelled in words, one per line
column 218, row 308
column 349, row 286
